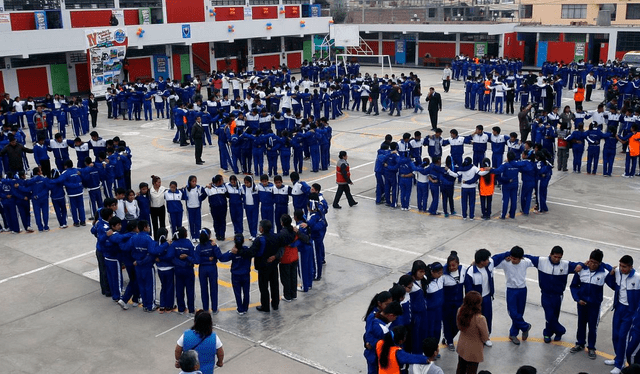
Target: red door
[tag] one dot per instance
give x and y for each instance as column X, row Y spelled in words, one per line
column 82, row 77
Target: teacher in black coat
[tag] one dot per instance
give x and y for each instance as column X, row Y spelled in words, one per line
column 435, row 106
column 197, row 133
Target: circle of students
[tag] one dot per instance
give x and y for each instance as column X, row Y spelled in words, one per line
column 404, row 325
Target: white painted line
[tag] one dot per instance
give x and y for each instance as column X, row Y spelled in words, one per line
column 174, row 327
column 46, row 267
column 297, row 357
column 579, row 238
column 594, row 209
column 382, row 246
column 615, row 207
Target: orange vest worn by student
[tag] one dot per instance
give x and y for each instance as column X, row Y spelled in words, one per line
column 487, row 87
column 232, row 127
column 634, row 145
column 393, row 367
column 339, row 177
column 579, row 95
column 487, row 188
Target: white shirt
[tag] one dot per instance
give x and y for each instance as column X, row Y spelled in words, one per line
column 485, row 281
column 193, row 197
column 157, row 197
column 516, row 274
column 622, row 295
column 446, row 74
column 120, row 211
column 218, row 341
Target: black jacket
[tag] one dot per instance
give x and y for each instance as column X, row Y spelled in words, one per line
column 435, row 102
column 197, row 131
column 14, row 153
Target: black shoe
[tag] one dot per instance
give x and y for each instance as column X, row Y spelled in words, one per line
column 200, row 163
column 261, row 309
column 83, row 223
column 336, row 207
column 317, row 278
column 184, row 145
column 577, row 348
column 354, row 203
column 274, row 307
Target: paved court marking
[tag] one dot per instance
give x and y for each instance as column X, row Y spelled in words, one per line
column 46, row 267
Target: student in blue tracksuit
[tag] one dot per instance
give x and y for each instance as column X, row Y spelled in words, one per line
column 299, row 192
column 586, row 289
column 281, row 195
column 498, row 144
column 265, row 196
column 527, row 169
column 110, row 245
column 240, row 274
column 625, row 281
column 73, row 185
column 405, row 181
column 39, row 191
column 435, row 300
column 217, row 195
column 508, row 176
column 207, row 254
column 194, row 195
column 91, row 181
column 313, row 140
column 379, row 172
column 479, row 140
column 553, row 272
column 317, row 225
column 479, row 278
column 285, row 143
column 399, row 294
column 453, row 286
column 593, row 136
column 417, row 298
column 378, row 302
column 183, row 261
column 305, row 252
column 144, row 202
column 609, row 151
column 577, row 139
column 58, row 199
column 391, row 164
column 469, row 175
column 144, row 251
column 376, row 331
column 174, row 197
column 250, row 201
column 457, row 147
column 422, row 183
column 235, row 204
column 166, row 273
column 515, row 265
column 223, row 139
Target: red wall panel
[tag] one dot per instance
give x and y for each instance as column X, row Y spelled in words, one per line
column 389, row 48
column 561, row 51
column 89, row 18
column 604, row 52
column 23, row 21
column 131, row 17
column 437, row 49
column 221, row 65
column 267, row 61
column 33, row 82
column 292, row 11
column 139, row 68
column 229, row 13
column 620, row 54
column 179, row 11
column 264, row 12
column 201, row 56
column 294, row 60
column 1, row 82
column 512, row 47
column 82, row 77
column 177, row 72
column 373, row 44
column 467, row 49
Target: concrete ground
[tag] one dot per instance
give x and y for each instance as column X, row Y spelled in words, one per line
column 53, row 318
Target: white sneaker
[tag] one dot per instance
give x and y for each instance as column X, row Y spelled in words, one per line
column 252, row 238
column 615, row 371
column 609, row 362
column 123, row 305
column 488, row 343
column 64, row 226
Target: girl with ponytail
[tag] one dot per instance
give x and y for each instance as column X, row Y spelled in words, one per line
column 207, row 254
column 453, row 276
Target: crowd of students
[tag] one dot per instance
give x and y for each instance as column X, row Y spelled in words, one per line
column 128, row 216
column 427, row 301
column 101, row 167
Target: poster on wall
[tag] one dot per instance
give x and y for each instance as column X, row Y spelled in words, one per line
column 106, row 50
column 161, row 66
column 579, row 52
column 144, row 16
column 41, row 19
column 401, row 53
column 5, row 18
column 480, row 49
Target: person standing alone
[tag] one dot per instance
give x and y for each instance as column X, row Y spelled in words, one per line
column 446, row 78
column 435, row 106
column 343, row 179
column 197, row 132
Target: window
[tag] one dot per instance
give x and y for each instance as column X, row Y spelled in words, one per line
column 151, row 50
column 574, row 11
column 432, row 12
column 628, row 41
column 295, row 2
column 633, row 11
column 441, row 37
column 31, row 5
column 260, row 46
column 263, row 2
column 292, row 43
column 59, row 58
column 227, row 2
column 526, row 11
column 575, row 38
column 140, row 3
column 88, row 4
column 549, row 37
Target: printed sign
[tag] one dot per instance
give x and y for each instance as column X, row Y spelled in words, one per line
column 579, row 52
column 186, row 31
column 41, row 20
column 480, row 49
column 161, row 66
column 5, row 18
column 401, row 53
column 145, row 16
column 106, row 50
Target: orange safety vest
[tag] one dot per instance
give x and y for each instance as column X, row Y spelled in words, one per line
column 232, row 127
column 486, row 189
column 634, row 145
column 579, row 95
column 487, row 87
column 393, row 367
column 339, row 178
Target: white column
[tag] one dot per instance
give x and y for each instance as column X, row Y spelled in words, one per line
column 212, row 57
column 417, row 53
column 169, row 52
column 457, row 44
column 380, row 59
column 116, row 4
column 501, row 45
column 164, row 11
column 613, row 44
column 66, row 16
column 193, row 73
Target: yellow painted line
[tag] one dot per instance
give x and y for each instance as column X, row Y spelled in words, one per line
column 252, row 274
column 234, row 308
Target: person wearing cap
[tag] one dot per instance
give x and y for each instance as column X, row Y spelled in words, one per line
column 586, row 289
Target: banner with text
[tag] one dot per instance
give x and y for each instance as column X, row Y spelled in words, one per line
column 106, row 50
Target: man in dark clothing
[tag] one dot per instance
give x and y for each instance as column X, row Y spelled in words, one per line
column 14, row 151
column 435, row 106
column 374, row 95
column 343, row 179
column 525, row 126
column 395, row 95
column 197, row 133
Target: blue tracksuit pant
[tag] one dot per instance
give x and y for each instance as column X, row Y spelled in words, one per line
column 633, row 347
column 252, row 219
column 11, row 214
column 450, row 328
column 405, row 191
column 588, row 315
column 420, row 321
column 422, row 191
column 208, row 275
column 391, row 188
column 499, row 103
column 175, row 219
column 114, row 277
column 132, row 291
column 551, row 304
column 235, row 211
column 219, row 215
column 306, row 266
column 516, row 302
column 241, row 284
column 195, row 221
column 318, row 246
column 25, row 212
column 41, row 213
column 468, row 202
column 622, row 318
column 496, row 159
column 577, row 150
column 147, row 284
column 593, row 155
column 487, row 310
column 447, row 198
column 266, row 212
column 272, row 164
column 324, row 156
column 279, row 211
column 509, row 200
column 225, row 159
column 167, row 289
column 298, row 157
column 258, row 161
column 60, row 207
column 95, row 197
column 434, row 323
column 380, row 187
column 525, row 197
column 608, row 156
column 315, row 158
column 630, row 164
column 185, row 281
column 478, row 156
column 285, row 161
column 435, row 192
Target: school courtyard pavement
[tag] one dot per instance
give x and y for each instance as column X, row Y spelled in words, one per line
column 53, row 318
